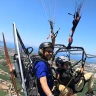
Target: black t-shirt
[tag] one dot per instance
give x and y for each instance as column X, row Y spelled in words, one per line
column 66, row 77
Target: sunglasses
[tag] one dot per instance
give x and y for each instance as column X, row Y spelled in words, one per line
column 49, row 51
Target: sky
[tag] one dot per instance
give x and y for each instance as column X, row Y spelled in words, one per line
column 31, row 19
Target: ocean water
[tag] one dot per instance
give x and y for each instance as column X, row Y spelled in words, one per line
column 9, row 45
column 77, row 57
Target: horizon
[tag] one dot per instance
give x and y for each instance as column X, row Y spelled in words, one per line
column 35, row 50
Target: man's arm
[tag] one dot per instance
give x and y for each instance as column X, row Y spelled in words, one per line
column 44, row 85
column 80, row 75
column 41, row 75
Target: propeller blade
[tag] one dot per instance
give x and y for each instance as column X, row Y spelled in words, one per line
column 9, row 65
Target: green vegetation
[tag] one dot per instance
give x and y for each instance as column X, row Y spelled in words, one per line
column 2, row 93
column 18, row 83
column 2, row 56
column 4, row 77
column 22, row 93
column 4, row 68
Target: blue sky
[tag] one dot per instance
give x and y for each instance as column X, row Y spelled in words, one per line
column 32, row 22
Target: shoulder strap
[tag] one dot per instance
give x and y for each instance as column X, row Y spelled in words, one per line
column 54, row 73
column 38, row 60
column 51, row 69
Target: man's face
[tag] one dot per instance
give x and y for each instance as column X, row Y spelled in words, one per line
column 66, row 65
column 48, row 53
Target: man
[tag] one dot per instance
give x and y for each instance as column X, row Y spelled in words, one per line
column 42, row 68
column 76, row 82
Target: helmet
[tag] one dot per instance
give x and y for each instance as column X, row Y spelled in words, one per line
column 43, row 46
column 61, row 60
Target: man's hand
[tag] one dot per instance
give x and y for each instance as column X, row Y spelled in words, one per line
column 82, row 69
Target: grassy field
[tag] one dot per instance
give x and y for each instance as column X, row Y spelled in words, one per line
column 2, row 93
column 7, row 77
column 4, row 68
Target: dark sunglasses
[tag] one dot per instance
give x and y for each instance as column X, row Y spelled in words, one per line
column 49, row 51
